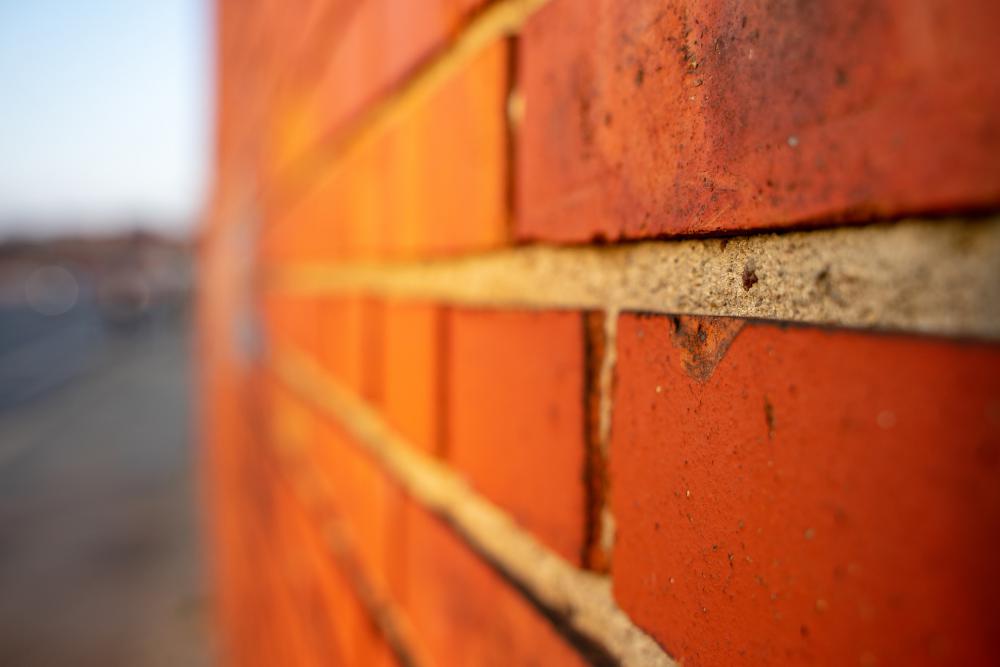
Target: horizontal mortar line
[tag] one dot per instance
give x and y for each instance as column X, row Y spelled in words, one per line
column 582, row 598
column 924, row 276
column 498, row 20
column 307, row 486
column 303, row 483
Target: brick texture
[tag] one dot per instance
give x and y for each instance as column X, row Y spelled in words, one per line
column 432, row 473
column 797, row 495
column 516, row 420
column 465, row 612
column 438, row 205
column 342, row 57
column 655, row 117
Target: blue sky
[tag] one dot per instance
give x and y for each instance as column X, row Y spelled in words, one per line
column 105, row 113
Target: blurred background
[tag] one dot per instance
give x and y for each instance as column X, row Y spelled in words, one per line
column 104, row 152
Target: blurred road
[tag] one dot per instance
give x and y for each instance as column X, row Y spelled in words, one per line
column 100, row 561
column 39, row 353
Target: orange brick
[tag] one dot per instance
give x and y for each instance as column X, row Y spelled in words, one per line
column 463, row 612
column 273, row 633
column 413, row 384
column 449, row 164
column 444, row 163
column 354, row 54
column 350, row 346
column 344, row 482
column 338, row 212
column 297, row 584
column 515, row 418
column 336, row 61
column 656, row 117
column 364, row 501
column 289, row 321
column 801, row 496
column 316, row 476
column 375, row 48
column 336, row 626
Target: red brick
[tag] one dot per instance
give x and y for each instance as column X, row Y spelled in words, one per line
column 287, row 426
column 795, row 495
column 298, row 581
column 445, row 163
column 449, row 164
column 364, row 500
column 337, row 627
column 463, row 612
column 351, row 343
column 413, row 383
column 246, row 73
column 659, row 117
column 372, row 48
column 343, row 480
column 273, row 633
column 319, row 476
column 515, row 417
column 339, row 213
column 289, row 321
column 337, row 60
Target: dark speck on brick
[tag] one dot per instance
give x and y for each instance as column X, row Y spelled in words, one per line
column 749, row 275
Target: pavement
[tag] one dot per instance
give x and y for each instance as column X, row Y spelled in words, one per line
column 101, row 560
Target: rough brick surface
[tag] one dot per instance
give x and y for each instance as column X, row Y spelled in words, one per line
column 515, row 418
column 771, row 495
column 654, row 117
column 791, row 496
column 464, row 613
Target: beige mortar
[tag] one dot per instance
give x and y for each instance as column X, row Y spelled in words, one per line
column 937, row 276
column 582, row 598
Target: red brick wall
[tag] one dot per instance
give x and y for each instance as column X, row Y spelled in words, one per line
column 456, row 413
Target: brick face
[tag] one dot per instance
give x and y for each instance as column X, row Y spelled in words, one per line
column 350, row 346
column 515, row 418
column 442, row 207
column 319, row 480
column 649, row 118
column 772, row 493
column 338, row 215
column 464, row 612
column 413, row 372
column 461, row 610
column 334, row 626
column 291, row 321
column 362, row 501
column 448, row 165
column 792, row 495
column 336, row 59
